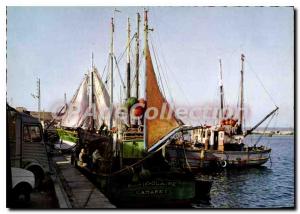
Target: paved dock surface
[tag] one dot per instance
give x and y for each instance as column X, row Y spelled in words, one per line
column 80, row 191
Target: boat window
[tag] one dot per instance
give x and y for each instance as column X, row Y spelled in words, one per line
column 32, row 133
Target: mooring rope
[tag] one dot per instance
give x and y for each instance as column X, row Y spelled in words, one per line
column 186, row 160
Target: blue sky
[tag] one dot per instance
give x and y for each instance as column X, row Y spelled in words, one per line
column 55, row 44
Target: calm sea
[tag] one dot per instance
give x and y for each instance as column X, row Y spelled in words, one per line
column 268, row 186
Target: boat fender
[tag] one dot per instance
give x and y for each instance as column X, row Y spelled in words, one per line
column 224, row 164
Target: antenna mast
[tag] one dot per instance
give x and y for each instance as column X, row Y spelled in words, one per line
column 38, row 96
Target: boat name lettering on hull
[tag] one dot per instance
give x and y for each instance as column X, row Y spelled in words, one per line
column 152, row 192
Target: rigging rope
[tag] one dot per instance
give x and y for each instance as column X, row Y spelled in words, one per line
column 141, row 64
column 164, row 73
column 251, row 69
column 135, row 75
column 264, row 130
column 170, row 71
column 106, row 66
column 121, row 55
column 165, row 79
column 186, row 159
column 276, row 118
column 158, row 70
column 117, row 62
column 167, row 68
column 119, row 73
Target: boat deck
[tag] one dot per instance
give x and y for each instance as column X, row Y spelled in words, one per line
column 80, row 191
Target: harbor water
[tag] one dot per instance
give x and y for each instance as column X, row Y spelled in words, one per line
column 268, row 186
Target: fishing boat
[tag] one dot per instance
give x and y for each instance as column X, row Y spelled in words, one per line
column 222, row 145
column 129, row 166
column 86, row 114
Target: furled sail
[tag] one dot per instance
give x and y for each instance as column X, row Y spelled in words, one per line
column 76, row 112
column 165, row 122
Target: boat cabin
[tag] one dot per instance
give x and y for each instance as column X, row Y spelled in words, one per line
column 131, row 146
column 216, row 137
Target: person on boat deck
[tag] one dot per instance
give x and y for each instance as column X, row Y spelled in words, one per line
column 96, row 157
column 173, row 141
column 83, row 158
column 103, row 129
column 180, row 139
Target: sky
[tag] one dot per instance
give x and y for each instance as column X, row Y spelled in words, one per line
column 55, row 44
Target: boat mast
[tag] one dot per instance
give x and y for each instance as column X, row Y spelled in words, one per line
column 146, row 55
column 65, row 98
column 128, row 67
column 128, row 59
column 111, row 73
column 221, row 90
column 92, row 93
column 137, row 56
column 242, row 93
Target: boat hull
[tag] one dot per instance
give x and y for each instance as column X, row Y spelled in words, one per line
column 157, row 191
column 242, row 158
column 68, row 136
column 67, row 139
column 196, row 159
column 148, row 182
column 165, row 189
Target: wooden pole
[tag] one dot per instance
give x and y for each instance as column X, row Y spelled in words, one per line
column 65, row 98
column 128, row 59
column 145, row 53
column 242, row 93
column 221, row 90
column 111, row 73
column 128, row 68
column 137, row 55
